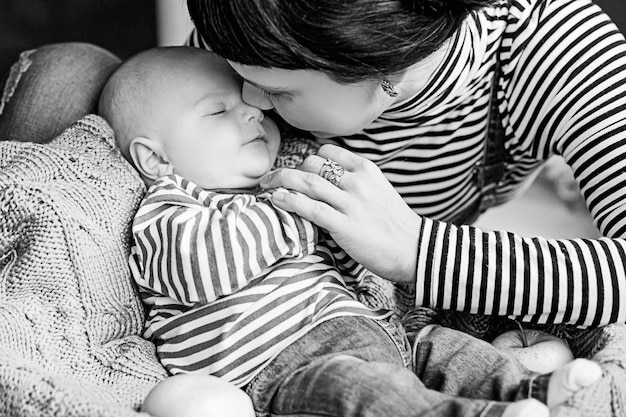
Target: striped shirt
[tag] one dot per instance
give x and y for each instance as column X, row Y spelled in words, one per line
column 230, row 280
column 562, row 91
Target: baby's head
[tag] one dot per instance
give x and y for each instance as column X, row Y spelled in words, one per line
column 179, row 110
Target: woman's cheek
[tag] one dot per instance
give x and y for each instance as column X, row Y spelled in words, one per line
column 301, row 120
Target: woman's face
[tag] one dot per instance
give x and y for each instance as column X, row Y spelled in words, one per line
column 310, row 100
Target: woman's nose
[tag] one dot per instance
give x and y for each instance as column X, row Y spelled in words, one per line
column 254, row 97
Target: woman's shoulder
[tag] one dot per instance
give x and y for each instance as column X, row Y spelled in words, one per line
column 525, row 17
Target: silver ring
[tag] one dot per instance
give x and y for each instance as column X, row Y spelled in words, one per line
column 331, row 171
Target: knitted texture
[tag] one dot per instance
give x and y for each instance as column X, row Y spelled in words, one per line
column 70, row 318
column 605, row 345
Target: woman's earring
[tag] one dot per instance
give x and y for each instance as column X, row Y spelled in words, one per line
column 389, row 88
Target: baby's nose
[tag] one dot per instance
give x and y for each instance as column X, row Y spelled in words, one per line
column 252, row 114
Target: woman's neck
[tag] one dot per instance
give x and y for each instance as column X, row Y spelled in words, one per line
column 419, row 75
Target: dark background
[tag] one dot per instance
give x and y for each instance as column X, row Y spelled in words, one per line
column 121, row 26
column 617, row 11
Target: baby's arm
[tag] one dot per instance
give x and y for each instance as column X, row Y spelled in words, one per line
column 352, row 271
column 195, row 395
column 195, row 246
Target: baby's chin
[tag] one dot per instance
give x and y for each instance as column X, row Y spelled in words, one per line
column 230, row 185
column 249, row 182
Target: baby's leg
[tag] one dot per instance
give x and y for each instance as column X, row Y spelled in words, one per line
column 349, row 387
column 458, row 364
column 194, row 395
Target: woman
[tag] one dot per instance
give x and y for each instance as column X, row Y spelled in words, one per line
column 444, row 109
column 408, row 87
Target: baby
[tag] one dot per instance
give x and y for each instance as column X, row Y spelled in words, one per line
column 239, row 289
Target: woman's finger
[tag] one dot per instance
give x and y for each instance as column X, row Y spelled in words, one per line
column 356, row 214
column 316, row 211
column 312, row 164
column 321, row 166
column 308, row 183
column 349, row 160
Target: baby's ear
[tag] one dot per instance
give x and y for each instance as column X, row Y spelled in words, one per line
column 149, row 158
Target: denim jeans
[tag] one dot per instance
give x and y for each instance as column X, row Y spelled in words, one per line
column 352, row 366
column 51, row 87
column 344, row 367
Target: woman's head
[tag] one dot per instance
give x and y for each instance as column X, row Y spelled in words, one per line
column 350, row 42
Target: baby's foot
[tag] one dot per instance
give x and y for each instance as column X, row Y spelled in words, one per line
column 568, row 379
column 526, row 408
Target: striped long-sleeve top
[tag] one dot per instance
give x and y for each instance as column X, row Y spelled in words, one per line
column 562, row 90
column 229, row 280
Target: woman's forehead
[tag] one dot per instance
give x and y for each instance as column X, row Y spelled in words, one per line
column 278, row 79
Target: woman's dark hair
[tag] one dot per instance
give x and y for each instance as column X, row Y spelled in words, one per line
column 350, row 40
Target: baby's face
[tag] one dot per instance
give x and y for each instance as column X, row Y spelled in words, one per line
column 210, row 136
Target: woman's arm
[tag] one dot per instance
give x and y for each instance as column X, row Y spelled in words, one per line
column 576, row 281
column 364, row 215
column 196, row 246
column 567, row 95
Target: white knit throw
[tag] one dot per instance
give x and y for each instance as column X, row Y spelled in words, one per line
column 70, row 319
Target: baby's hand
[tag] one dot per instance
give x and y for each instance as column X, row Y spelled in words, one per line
column 195, row 395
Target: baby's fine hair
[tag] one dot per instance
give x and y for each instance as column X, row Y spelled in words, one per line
column 349, row 40
column 124, row 101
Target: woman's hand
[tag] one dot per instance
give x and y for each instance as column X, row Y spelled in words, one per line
column 364, row 214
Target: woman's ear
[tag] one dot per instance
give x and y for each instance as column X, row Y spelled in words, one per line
column 149, row 158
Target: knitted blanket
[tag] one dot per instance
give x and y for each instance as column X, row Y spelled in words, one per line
column 605, row 345
column 70, row 319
